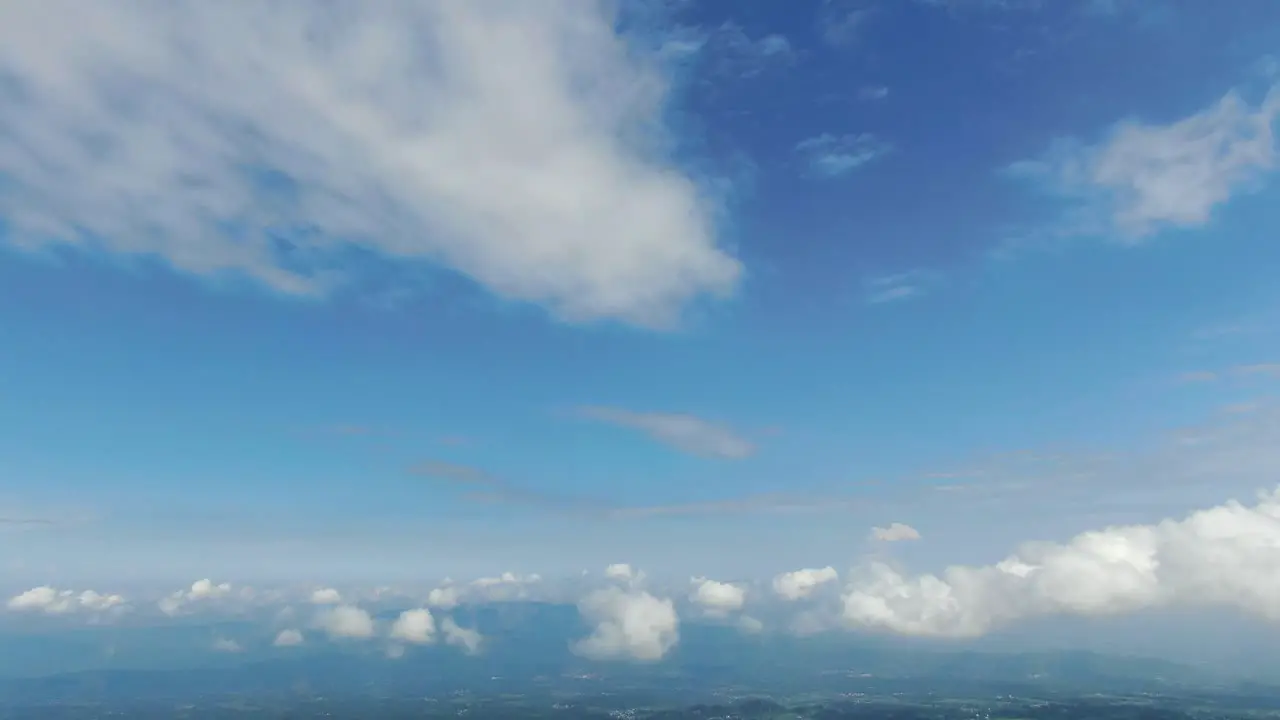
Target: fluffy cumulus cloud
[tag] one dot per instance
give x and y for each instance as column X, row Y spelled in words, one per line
column 289, row 637
column 1221, row 556
column 895, row 532
column 348, row 622
column 686, row 433
column 326, row 596
column 200, row 592
column 629, row 624
column 717, row 598
column 799, row 584
column 414, row 626
column 52, row 601
column 1144, row 177
column 445, row 598
column 517, row 143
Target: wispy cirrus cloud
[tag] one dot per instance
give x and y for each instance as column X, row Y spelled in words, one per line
column 873, row 93
column 898, row 287
column 687, row 433
column 727, row 51
column 1145, row 177
column 480, row 486
column 1254, row 370
column 834, row 156
column 843, row 23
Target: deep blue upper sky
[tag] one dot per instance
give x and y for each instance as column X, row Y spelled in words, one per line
column 388, row 291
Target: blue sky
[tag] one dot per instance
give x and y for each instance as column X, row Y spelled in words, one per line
column 711, row 288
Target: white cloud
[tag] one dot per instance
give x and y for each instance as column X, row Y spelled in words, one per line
column 200, row 591
column 717, row 598
column 414, row 626
column 1220, row 556
column 687, row 433
column 1145, row 177
column 832, row 156
column 629, row 624
column 896, row 532
column 750, row 625
column 620, row 571
column 445, row 598
column 53, row 601
column 897, row 287
column 347, row 621
column 288, row 638
column 326, row 596
column 227, row 645
column 466, row 638
column 517, row 143
column 800, row 584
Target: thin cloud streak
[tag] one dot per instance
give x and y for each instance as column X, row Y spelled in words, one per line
column 687, row 433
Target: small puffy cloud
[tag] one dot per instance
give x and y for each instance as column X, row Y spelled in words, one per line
column 1224, row 556
column 53, row 601
column 466, row 638
column 896, row 532
column 288, row 638
column 832, row 156
column 200, row 591
column 511, row 142
column 717, row 598
column 227, row 645
column 619, row 571
column 799, row 584
column 347, row 621
column 1145, row 177
column 326, row 596
column 750, row 625
column 445, row 598
column 629, row 624
column 414, row 626
column 687, row 433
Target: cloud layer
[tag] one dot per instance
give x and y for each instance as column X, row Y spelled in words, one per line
column 517, row 143
column 1227, row 556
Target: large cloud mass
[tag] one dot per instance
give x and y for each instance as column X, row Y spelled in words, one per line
column 629, row 624
column 515, row 142
column 1225, row 556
